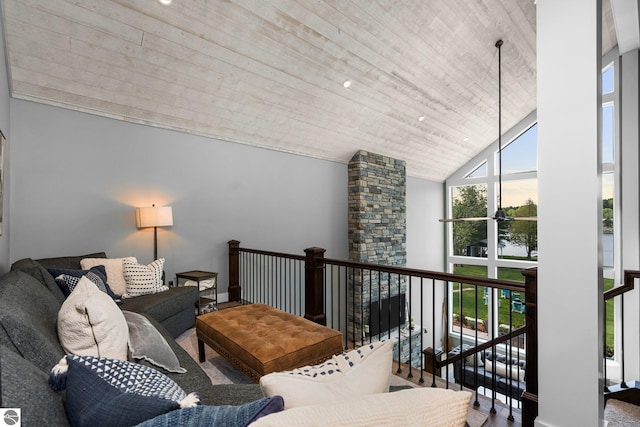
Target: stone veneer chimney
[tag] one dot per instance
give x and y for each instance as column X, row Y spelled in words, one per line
column 377, row 209
column 377, row 230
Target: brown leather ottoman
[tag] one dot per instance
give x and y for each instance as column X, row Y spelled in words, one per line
column 259, row 339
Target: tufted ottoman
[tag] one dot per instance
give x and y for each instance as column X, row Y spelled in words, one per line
column 259, row 339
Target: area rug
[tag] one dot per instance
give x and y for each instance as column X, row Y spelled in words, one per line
column 222, row 372
column 216, row 367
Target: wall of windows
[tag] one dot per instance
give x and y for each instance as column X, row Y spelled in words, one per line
column 502, row 249
column 490, row 248
column 610, row 194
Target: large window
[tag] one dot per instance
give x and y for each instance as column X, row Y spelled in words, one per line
column 609, row 198
column 489, row 248
column 502, row 249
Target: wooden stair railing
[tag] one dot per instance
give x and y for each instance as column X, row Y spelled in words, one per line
column 314, row 303
column 623, row 390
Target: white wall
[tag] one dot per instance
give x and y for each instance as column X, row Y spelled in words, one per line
column 4, row 126
column 425, row 251
column 78, row 178
column 630, row 206
column 569, row 182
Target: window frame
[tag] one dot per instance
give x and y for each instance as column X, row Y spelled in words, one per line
column 492, row 261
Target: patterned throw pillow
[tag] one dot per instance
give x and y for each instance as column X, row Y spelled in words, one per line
column 110, row 392
column 227, row 415
column 142, row 279
column 67, row 280
column 362, row 371
column 113, row 267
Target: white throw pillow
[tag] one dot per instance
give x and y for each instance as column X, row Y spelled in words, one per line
column 114, row 269
column 90, row 323
column 359, row 372
column 422, row 406
column 143, row 279
column 501, row 369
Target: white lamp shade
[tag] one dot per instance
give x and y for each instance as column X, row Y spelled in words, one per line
column 154, row 216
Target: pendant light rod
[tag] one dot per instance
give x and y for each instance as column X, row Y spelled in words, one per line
column 499, row 45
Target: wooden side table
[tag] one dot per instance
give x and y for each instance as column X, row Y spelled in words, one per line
column 208, row 297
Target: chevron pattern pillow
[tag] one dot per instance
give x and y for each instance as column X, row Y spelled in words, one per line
column 143, row 279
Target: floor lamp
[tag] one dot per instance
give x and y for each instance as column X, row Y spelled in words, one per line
column 154, row 216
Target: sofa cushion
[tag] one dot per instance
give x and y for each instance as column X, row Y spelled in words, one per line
column 163, row 305
column 114, row 269
column 111, row 392
column 68, row 262
column 25, row 386
column 28, row 317
column 37, row 271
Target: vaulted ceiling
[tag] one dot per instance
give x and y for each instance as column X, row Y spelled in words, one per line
column 272, row 73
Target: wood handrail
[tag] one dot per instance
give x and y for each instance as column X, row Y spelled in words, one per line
column 627, row 285
column 435, row 275
column 480, row 347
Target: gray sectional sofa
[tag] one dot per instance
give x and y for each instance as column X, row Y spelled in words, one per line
column 29, row 346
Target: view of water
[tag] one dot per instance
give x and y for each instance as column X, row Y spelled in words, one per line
column 607, row 253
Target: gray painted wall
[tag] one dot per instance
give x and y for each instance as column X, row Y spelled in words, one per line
column 78, row 178
column 4, row 126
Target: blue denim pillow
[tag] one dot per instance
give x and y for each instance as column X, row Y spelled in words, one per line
column 227, row 416
column 111, row 392
column 68, row 279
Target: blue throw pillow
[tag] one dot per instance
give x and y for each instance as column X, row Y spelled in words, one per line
column 227, row 416
column 111, row 392
column 68, row 279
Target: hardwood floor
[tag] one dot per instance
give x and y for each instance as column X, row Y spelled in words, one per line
column 499, row 419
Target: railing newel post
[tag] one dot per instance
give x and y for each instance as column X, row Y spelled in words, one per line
column 234, row 270
column 530, row 396
column 314, row 285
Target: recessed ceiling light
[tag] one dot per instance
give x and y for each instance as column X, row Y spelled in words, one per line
column 166, row 2
column 465, row 140
column 346, row 83
column 421, row 119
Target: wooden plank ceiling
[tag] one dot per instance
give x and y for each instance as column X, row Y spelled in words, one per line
column 270, row 73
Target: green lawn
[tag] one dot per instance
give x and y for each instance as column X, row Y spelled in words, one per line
column 608, row 284
column 470, row 297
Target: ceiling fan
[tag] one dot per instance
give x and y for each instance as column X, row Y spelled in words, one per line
column 500, row 214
